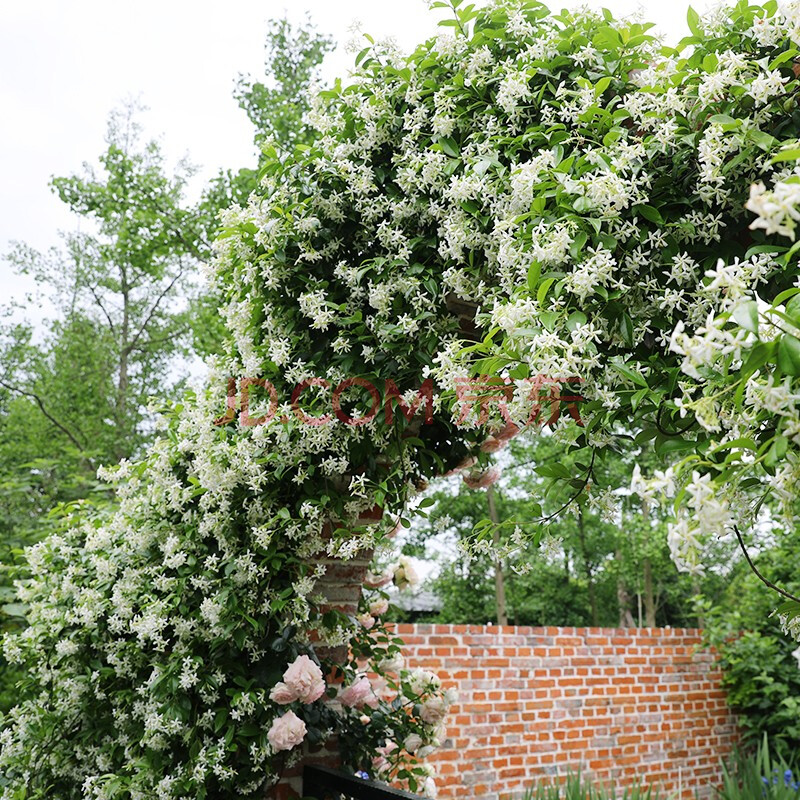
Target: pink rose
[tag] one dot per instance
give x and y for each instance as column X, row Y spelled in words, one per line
column 286, row 732
column 379, row 607
column 282, row 694
column 366, row 621
column 358, row 694
column 482, row 480
column 304, row 678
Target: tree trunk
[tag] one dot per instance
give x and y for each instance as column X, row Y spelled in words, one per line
column 499, row 580
column 122, row 375
column 696, row 590
column 588, row 569
column 649, row 594
column 623, row 600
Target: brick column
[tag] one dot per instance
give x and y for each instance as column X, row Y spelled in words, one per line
column 341, row 587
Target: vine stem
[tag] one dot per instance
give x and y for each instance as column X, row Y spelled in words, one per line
column 758, row 574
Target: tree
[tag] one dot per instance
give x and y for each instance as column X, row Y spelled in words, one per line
column 122, row 289
column 279, row 107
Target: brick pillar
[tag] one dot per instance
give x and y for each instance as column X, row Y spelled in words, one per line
column 341, row 587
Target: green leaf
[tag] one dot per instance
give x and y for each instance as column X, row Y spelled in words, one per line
column 630, row 373
column 789, row 355
column 793, row 307
column 543, row 289
column 736, row 444
column 626, row 328
column 722, row 119
column 785, row 56
column 449, row 147
column 650, row 213
column 693, row 20
column 762, row 139
column 786, row 155
column 746, row 315
column 602, row 85
column 575, row 319
column 534, row 272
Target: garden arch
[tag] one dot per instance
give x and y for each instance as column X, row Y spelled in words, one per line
column 579, row 187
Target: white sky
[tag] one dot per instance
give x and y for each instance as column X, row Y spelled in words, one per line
column 65, row 65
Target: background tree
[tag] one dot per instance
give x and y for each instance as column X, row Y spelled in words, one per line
column 760, row 664
column 606, row 564
column 278, row 107
column 129, row 306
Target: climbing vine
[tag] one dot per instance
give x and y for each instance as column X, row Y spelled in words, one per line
column 529, row 212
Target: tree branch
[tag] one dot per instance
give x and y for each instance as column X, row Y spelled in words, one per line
column 758, row 574
column 44, row 411
column 161, row 339
column 153, row 310
column 103, row 309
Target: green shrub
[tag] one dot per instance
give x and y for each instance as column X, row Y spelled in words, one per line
column 760, row 675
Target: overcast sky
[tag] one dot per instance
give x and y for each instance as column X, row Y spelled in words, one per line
column 64, row 66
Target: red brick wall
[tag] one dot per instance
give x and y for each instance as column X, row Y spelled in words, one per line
column 618, row 704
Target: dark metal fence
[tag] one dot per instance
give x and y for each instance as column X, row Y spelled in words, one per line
column 322, row 783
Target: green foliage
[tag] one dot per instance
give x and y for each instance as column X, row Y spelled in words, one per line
column 761, row 774
column 577, row 788
column 596, row 572
column 278, row 108
column 760, row 674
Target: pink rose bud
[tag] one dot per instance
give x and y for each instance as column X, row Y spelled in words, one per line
column 304, row 678
column 286, row 732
